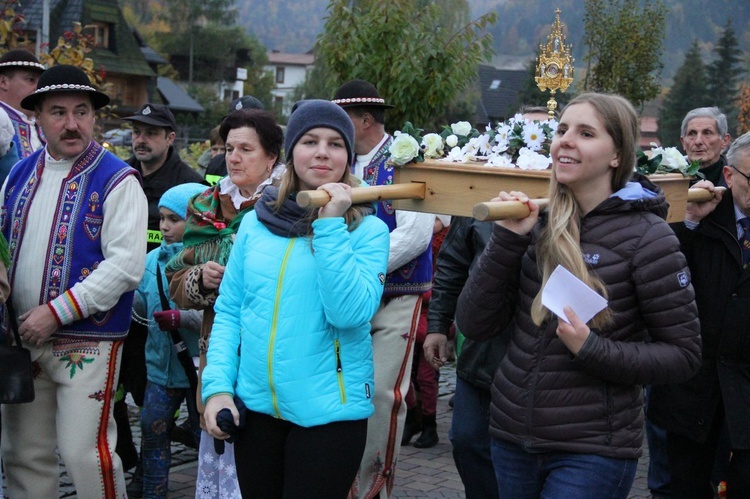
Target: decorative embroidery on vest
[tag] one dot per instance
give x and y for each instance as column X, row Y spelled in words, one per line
column 372, row 173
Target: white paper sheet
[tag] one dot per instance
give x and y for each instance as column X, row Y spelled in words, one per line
column 563, row 289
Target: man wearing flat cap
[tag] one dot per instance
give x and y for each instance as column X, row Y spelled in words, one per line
column 161, row 168
column 158, row 162
column 393, row 328
column 19, row 73
column 72, row 214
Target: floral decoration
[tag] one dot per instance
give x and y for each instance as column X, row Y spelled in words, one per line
column 666, row 160
column 516, row 143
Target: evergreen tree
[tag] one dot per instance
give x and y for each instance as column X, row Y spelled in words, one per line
column 724, row 74
column 624, row 47
column 688, row 92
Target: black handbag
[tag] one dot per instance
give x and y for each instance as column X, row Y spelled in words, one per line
column 16, row 375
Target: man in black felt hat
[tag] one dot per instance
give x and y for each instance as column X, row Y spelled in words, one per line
column 19, row 73
column 394, row 326
column 74, row 216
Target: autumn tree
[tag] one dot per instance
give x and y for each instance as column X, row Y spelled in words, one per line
column 743, row 110
column 406, row 50
column 724, row 73
column 688, row 92
column 624, row 41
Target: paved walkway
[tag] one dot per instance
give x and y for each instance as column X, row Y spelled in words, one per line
column 427, row 473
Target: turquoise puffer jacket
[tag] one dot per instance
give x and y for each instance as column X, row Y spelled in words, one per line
column 298, row 311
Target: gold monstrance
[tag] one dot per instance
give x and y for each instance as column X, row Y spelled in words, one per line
column 555, row 65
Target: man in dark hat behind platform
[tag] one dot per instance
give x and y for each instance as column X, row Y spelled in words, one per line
column 393, row 328
column 19, row 73
column 158, row 162
column 75, row 218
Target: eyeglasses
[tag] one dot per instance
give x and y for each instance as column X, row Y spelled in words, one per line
column 747, row 177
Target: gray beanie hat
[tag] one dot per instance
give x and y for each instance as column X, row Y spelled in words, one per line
column 314, row 113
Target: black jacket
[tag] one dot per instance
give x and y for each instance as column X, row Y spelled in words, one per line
column 722, row 292
column 543, row 397
column 173, row 172
column 467, row 237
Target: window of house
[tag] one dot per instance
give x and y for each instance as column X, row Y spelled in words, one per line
column 495, row 85
column 101, row 34
column 279, row 74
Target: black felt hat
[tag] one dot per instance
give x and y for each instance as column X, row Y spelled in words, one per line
column 154, row 114
column 356, row 93
column 64, row 78
column 20, row 58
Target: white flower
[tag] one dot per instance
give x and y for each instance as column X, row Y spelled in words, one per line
column 451, row 141
column 503, row 133
column 530, row 160
column 404, row 148
column 483, row 144
column 433, row 145
column 461, row 128
column 517, row 118
column 501, row 160
column 670, row 157
column 500, row 147
column 533, row 136
column 455, row 155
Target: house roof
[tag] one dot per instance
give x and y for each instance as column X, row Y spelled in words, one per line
column 175, row 97
column 290, row 59
column 499, row 92
column 124, row 56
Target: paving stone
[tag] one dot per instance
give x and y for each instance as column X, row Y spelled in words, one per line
column 428, row 473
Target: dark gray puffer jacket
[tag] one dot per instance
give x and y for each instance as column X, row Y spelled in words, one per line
column 543, row 397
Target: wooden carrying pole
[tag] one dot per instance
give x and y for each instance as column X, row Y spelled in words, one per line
column 412, row 190
column 502, row 210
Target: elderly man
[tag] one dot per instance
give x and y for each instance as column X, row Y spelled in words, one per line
column 75, row 219
column 704, row 136
column 19, row 73
column 409, row 276
column 715, row 238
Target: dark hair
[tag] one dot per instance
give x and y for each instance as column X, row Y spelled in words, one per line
column 378, row 113
column 269, row 133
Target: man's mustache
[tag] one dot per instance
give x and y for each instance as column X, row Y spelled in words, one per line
column 70, row 136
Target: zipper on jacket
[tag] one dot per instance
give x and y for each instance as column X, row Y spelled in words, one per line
column 274, row 324
column 339, row 371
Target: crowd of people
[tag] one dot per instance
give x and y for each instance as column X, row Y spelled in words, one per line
column 290, row 330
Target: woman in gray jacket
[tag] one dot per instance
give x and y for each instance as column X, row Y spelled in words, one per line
column 567, row 408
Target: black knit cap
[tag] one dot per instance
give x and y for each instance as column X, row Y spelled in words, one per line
column 314, row 113
column 64, row 78
column 21, row 59
column 156, row 115
column 356, row 93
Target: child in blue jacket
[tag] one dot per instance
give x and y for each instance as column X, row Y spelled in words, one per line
column 167, row 379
